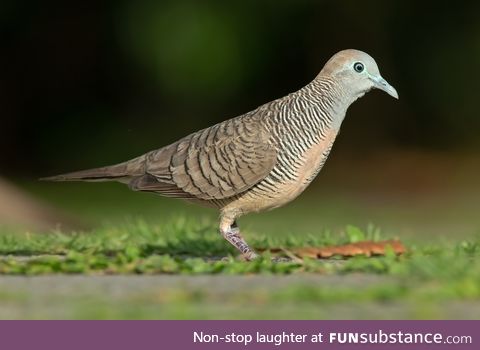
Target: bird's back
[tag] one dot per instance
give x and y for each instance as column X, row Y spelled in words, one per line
column 212, row 164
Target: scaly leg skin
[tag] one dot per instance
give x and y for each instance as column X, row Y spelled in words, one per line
column 231, row 232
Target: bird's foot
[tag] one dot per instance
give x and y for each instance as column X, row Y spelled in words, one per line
column 233, row 236
column 251, row 255
column 242, row 257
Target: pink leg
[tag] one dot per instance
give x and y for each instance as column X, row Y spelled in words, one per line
column 231, row 232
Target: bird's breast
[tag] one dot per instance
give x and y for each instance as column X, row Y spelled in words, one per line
column 311, row 162
column 314, row 159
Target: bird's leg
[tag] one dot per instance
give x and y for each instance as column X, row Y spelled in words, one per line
column 230, row 231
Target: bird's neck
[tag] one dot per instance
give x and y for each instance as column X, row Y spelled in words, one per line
column 328, row 99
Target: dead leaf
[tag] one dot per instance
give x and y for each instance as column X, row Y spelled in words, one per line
column 367, row 248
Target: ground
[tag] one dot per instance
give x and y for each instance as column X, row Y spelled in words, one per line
column 217, row 297
column 182, row 269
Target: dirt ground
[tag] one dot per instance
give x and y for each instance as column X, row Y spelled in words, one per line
column 224, row 297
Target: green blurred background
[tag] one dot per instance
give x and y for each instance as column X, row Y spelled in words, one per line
column 85, row 84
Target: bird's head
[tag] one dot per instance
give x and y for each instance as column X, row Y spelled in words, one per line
column 358, row 73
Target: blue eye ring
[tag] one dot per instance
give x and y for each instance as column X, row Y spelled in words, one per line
column 358, row 67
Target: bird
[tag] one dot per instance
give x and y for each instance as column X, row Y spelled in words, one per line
column 257, row 161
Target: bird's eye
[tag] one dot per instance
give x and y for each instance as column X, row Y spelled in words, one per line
column 358, row 67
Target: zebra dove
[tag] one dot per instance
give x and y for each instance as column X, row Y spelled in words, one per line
column 260, row 160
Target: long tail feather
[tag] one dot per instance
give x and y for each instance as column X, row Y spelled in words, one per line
column 128, row 169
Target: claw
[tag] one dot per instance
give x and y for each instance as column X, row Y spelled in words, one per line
column 250, row 256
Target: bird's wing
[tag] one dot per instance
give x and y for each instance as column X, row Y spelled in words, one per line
column 215, row 163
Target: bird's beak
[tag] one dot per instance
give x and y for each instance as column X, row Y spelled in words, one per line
column 382, row 84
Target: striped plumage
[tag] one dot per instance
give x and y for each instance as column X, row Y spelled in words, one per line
column 257, row 161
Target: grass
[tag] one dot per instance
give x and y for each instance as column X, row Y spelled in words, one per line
column 409, row 286
column 178, row 246
column 443, row 270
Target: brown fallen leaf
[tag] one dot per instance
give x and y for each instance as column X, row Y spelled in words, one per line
column 367, row 248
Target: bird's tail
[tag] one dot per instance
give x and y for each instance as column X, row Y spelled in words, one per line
column 117, row 172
